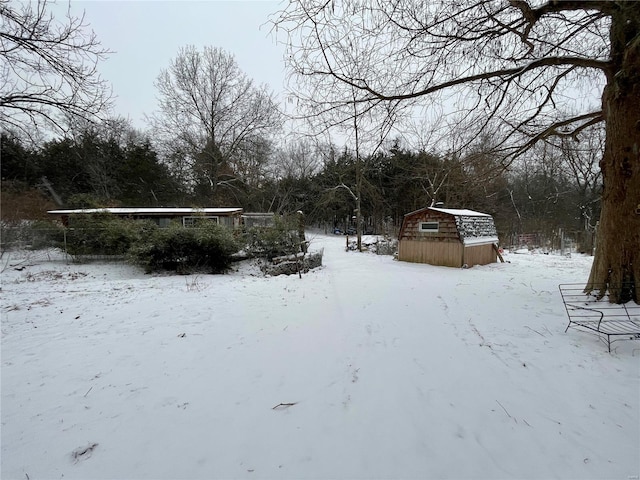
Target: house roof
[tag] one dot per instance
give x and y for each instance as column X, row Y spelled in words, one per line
column 155, row 211
column 258, row 214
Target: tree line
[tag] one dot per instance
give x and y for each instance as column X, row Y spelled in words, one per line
column 554, row 187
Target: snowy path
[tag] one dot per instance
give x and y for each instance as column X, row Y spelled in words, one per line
column 393, row 370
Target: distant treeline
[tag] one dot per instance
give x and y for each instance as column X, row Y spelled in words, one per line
column 552, row 188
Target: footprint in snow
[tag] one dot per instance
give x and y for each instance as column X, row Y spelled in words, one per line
column 82, row 453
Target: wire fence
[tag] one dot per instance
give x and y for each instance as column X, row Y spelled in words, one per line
column 560, row 241
column 88, row 243
column 27, row 237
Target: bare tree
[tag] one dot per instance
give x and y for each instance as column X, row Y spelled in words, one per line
column 297, row 159
column 293, row 167
column 515, row 66
column 582, row 166
column 211, row 111
column 48, row 68
column 542, row 191
column 367, row 127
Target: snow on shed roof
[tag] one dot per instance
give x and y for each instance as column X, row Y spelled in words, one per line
column 474, row 228
column 151, row 211
column 460, row 212
column 457, row 212
column 469, row 241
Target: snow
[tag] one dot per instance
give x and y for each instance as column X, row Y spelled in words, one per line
column 451, row 211
column 365, row 368
column 479, row 240
column 149, row 211
column 460, row 212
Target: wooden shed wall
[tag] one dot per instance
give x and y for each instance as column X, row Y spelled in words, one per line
column 435, row 252
column 438, row 248
column 447, row 229
column 479, row 255
column 229, row 221
column 447, row 254
column 443, row 248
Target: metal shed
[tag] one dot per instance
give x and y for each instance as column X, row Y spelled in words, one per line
column 448, row 237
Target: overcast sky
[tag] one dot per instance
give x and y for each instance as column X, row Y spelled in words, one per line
column 146, row 35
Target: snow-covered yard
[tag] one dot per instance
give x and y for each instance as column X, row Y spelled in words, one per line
column 366, row 368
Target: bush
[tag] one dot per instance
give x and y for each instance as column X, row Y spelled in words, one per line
column 209, row 247
column 104, row 234
column 276, row 241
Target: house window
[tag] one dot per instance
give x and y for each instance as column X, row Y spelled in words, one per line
column 192, row 222
column 431, row 227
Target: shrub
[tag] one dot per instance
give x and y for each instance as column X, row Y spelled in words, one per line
column 279, row 240
column 104, row 234
column 209, row 247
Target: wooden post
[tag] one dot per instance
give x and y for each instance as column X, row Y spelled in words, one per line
column 495, row 247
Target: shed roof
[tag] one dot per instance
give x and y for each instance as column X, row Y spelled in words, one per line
column 473, row 228
column 156, row 211
column 457, row 212
column 460, row 212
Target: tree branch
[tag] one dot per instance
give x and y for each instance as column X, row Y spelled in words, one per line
column 589, row 120
column 504, row 74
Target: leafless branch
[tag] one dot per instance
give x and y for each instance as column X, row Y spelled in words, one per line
column 49, row 68
column 506, row 63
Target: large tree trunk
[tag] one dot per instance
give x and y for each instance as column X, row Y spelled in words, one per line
column 616, row 266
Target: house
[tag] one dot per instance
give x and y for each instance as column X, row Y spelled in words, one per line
column 448, row 237
column 163, row 216
column 253, row 219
